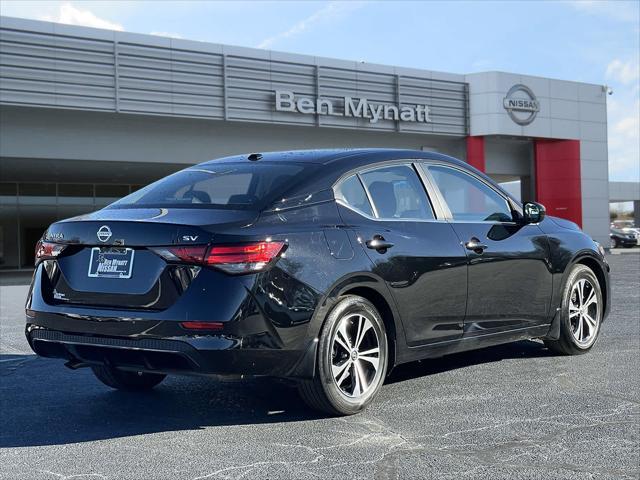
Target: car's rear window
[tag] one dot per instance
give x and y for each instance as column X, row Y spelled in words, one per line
column 235, row 186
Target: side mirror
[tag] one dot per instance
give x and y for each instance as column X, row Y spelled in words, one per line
column 534, row 212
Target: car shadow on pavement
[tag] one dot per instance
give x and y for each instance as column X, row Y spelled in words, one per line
column 432, row 366
column 44, row 403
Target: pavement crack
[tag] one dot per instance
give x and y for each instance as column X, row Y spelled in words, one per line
column 75, row 476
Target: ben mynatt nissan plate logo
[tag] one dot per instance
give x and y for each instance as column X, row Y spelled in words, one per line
column 104, row 233
column 521, row 104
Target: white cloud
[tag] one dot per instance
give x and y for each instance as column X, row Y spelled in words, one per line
column 627, row 127
column 623, row 115
column 615, row 10
column 167, row 34
column 624, row 72
column 331, row 11
column 624, row 135
column 71, row 15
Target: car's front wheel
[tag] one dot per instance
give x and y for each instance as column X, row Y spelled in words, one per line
column 352, row 359
column 124, row 380
column 581, row 313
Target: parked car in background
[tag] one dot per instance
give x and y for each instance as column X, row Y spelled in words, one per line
column 622, row 224
column 633, row 231
column 328, row 268
column 626, row 238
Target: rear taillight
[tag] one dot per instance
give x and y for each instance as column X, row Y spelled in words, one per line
column 190, row 254
column 234, row 259
column 48, row 250
column 243, row 258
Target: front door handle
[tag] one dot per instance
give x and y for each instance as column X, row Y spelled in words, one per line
column 475, row 245
column 379, row 244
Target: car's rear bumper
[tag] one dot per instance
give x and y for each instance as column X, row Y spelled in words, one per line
column 254, row 335
column 210, row 354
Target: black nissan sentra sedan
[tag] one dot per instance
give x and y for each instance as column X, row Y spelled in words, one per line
column 326, row 267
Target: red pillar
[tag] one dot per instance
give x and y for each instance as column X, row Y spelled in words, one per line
column 475, row 158
column 475, row 152
column 558, row 185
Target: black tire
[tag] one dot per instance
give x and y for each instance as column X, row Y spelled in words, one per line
column 322, row 392
column 614, row 243
column 124, row 380
column 568, row 344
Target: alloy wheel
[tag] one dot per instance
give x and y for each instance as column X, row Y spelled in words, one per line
column 355, row 356
column 584, row 313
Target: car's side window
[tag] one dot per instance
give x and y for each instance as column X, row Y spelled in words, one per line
column 397, row 193
column 352, row 193
column 468, row 198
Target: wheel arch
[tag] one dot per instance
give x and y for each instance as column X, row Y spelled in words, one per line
column 385, row 311
column 373, row 289
column 599, row 271
column 590, row 259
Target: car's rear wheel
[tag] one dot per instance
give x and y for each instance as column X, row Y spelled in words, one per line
column 581, row 313
column 352, row 359
column 124, row 380
column 613, row 243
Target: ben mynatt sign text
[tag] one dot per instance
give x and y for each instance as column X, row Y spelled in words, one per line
column 286, row 101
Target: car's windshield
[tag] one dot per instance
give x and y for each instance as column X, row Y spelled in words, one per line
column 227, row 185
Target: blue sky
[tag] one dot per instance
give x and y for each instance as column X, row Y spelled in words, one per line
column 590, row 41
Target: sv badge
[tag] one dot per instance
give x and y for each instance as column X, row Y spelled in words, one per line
column 189, row 238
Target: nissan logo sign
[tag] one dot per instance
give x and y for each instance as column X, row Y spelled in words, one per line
column 104, row 233
column 521, row 104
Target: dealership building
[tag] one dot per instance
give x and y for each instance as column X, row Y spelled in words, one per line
column 89, row 115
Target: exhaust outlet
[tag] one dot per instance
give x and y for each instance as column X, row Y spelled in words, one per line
column 75, row 364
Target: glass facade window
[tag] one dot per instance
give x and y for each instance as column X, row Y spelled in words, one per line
column 8, row 189
column 75, row 190
column 112, row 191
column 8, row 193
column 75, row 194
column 9, row 241
column 37, row 189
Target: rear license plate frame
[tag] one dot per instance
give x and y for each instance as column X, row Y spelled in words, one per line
column 101, row 254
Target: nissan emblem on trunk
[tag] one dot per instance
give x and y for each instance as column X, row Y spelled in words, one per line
column 104, row 233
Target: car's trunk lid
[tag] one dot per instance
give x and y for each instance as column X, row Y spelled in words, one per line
column 135, row 227
column 144, row 279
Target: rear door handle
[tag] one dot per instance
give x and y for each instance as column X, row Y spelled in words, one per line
column 475, row 245
column 379, row 244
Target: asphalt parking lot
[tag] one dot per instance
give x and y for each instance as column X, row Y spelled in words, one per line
column 514, row 411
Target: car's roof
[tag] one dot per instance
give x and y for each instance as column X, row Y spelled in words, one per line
column 294, row 156
column 340, row 161
column 333, row 156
